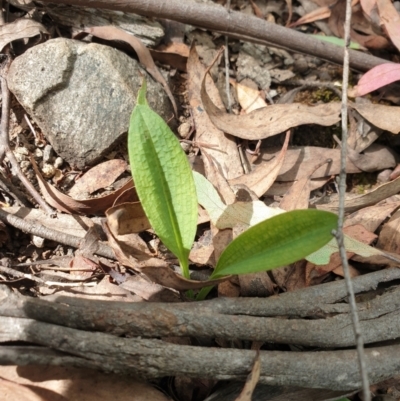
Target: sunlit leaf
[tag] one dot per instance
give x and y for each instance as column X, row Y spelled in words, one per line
column 339, row 42
column 323, row 255
column 163, row 180
column 276, row 242
column 377, row 77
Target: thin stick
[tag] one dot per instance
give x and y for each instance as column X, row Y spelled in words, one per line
column 5, row 149
column 234, row 24
column 36, row 228
column 339, row 233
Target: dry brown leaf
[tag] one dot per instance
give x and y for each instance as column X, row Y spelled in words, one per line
column 215, row 177
column 249, row 98
column 357, row 232
column 371, row 160
column 44, row 383
column 143, row 53
column 269, row 121
column 258, row 13
column 300, row 160
column 280, row 188
column 157, row 270
column 174, row 54
column 263, row 176
column 13, row 391
column 127, row 218
column 299, row 193
column 340, row 272
column 251, row 381
column 382, row 192
column 372, row 217
column 383, row 117
column 224, row 149
column 66, row 204
column 389, row 237
column 256, row 285
column 316, row 15
column 98, row 177
column 149, row 291
column 20, row 29
column 272, row 120
column 290, row 12
column 390, row 19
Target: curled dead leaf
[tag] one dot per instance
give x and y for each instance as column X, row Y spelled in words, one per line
column 98, row 177
column 20, row 29
column 127, row 218
column 156, row 269
column 269, row 121
column 65, row 203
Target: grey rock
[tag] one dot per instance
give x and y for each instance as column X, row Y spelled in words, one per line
column 81, row 95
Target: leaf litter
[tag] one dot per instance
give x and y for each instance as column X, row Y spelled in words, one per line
column 295, row 173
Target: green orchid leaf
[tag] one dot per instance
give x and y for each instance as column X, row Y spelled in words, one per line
column 163, row 180
column 277, row 242
column 339, row 42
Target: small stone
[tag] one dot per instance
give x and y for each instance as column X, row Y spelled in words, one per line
column 58, row 162
column 21, row 150
column 48, row 170
column 25, row 164
column 184, row 129
column 37, row 153
column 48, row 154
column 185, row 146
column 38, row 241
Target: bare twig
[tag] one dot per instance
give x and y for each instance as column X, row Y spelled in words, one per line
column 339, row 233
column 36, row 229
column 234, row 24
column 5, row 149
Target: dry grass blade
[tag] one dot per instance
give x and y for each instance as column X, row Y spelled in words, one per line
column 20, row 29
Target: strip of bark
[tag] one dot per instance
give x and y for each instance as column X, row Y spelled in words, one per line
column 235, row 25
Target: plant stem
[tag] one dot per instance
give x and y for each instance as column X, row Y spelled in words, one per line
column 203, row 293
column 185, row 268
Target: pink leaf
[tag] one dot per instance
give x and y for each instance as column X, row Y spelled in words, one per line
column 377, row 77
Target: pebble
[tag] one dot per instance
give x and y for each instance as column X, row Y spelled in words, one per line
column 58, row 162
column 184, row 129
column 48, row 170
column 48, row 153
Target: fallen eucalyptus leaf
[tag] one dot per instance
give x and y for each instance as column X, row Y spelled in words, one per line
column 65, row 203
column 371, row 198
column 382, row 116
column 323, row 255
column 20, row 29
column 228, row 216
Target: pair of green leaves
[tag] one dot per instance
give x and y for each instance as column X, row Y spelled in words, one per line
column 164, row 183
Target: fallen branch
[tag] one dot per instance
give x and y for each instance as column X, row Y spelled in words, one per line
column 305, row 317
column 233, row 24
column 334, row 370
